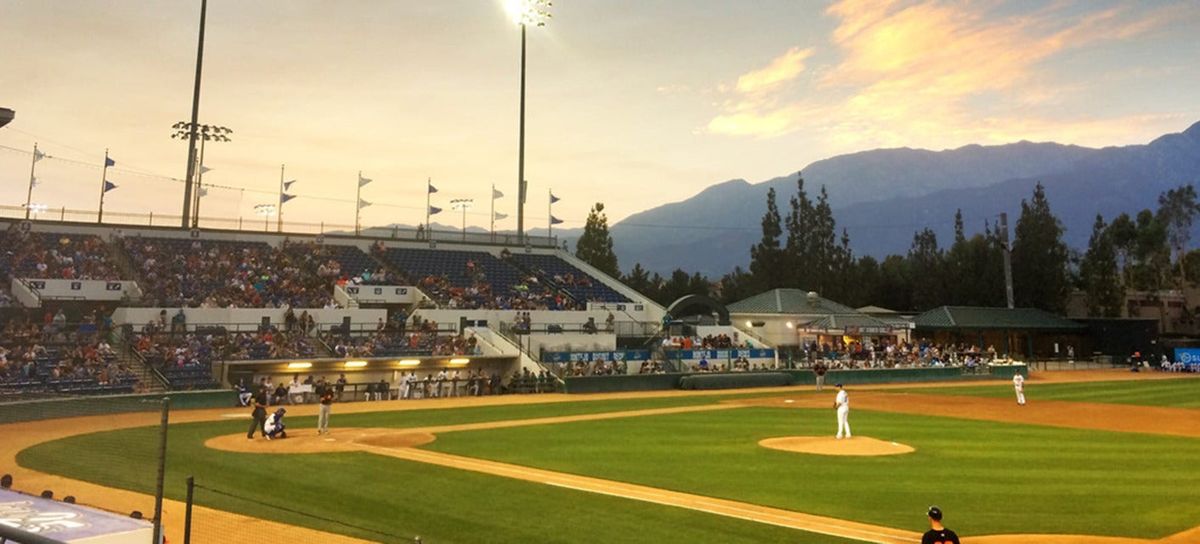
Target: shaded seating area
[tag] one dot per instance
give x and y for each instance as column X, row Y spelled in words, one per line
column 48, row 255
column 342, row 264
column 221, row 274
column 575, row 282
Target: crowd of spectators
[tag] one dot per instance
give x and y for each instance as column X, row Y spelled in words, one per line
column 720, row 341
column 883, row 354
column 37, row 255
column 210, row 274
column 331, row 264
column 51, row 354
column 394, row 343
column 599, row 367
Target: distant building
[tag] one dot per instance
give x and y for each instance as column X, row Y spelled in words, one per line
column 1022, row 333
column 789, row 318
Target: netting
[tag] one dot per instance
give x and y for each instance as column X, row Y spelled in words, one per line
column 51, row 451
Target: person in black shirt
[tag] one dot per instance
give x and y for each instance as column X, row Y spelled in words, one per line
column 259, row 416
column 937, row 534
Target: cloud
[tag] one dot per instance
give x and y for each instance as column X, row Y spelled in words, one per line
column 782, row 69
column 929, row 73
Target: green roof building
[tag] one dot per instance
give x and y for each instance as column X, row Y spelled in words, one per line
column 1018, row 332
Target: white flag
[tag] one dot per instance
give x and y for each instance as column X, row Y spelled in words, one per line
column 34, row 182
column 38, row 155
column 363, row 181
column 500, row 216
column 363, row 203
column 497, row 194
column 204, row 169
column 203, row 191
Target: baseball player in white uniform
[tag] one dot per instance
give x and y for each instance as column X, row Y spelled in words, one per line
column 1019, row 386
column 842, row 403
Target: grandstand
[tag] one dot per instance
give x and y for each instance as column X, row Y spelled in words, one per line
column 194, row 310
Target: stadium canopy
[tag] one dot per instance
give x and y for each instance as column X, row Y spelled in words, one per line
column 978, row 317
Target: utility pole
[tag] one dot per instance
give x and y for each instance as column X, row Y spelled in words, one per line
column 1008, row 284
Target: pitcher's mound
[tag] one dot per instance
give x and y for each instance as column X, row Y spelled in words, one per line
column 828, row 445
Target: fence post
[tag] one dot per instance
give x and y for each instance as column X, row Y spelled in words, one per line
column 187, row 516
column 162, row 469
column 63, row 215
column 151, row 219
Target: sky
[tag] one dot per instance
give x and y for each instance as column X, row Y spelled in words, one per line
column 633, row 103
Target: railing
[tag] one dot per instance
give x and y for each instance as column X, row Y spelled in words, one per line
column 114, row 218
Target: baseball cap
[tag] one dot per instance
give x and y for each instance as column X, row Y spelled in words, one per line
column 935, row 513
column 837, row 385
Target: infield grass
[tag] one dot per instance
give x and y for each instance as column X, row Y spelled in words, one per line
column 1177, row 393
column 990, row 478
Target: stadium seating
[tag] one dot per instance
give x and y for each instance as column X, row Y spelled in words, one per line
column 343, row 264
column 475, row 279
column 579, row 284
column 53, row 255
column 68, row 359
column 194, row 273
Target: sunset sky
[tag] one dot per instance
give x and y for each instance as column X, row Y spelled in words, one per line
column 632, row 103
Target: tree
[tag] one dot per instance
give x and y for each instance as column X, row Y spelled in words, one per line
column 822, row 250
column 1039, row 256
column 1177, row 210
column 1098, row 273
column 799, row 230
column 595, row 246
column 767, row 264
column 735, row 286
column 927, row 268
column 638, row 279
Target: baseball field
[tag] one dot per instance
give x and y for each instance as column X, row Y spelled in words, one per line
column 1095, row 457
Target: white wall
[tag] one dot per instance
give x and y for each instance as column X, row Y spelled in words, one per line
column 59, row 289
column 602, row 341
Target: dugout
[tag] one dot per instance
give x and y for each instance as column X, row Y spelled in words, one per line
column 1027, row 333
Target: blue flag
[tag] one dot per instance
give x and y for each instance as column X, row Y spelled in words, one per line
column 432, row 189
column 288, row 184
column 109, row 162
column 434, row 210
column 553, row 198
column 108, row 186
column 285, row 197
column 555, row 220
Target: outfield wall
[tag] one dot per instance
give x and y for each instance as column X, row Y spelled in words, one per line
column 42, row 409
column 731, row 380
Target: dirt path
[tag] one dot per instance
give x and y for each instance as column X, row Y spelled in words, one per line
column 1074, row 415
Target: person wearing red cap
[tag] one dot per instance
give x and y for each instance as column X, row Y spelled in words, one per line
column 937, row 533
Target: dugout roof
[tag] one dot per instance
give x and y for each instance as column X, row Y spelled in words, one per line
column 790, row 301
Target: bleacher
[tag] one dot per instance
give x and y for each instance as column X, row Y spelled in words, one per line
column 183, row 272
column 452, row 264
column 556, row 271
column 60, row 368
column 45, row 255
column 352, row 261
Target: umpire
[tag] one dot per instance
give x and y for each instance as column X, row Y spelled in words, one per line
column 259, row 415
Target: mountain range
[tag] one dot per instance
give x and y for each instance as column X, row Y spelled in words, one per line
column 881, row 197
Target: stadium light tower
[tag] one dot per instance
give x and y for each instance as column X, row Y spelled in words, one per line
column 204, row 133
column 193, row 127
column 463, row 204
column 524, row 13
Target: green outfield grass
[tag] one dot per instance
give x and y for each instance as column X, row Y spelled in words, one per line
column 989, row 477
column 393, row 496
column 1181, row 393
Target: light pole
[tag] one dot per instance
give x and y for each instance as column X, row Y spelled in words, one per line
column 463, row 204
column 267, row 211
column 524, row 13
column 192, row 135
column 204, row 133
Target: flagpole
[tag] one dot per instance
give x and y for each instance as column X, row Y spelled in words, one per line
column 29, row 195
column 103, row 182
column 199, row 188
column 550, row 215
column 357, row 203
column 428, row 184
column 493, row 212
column 279, row 211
